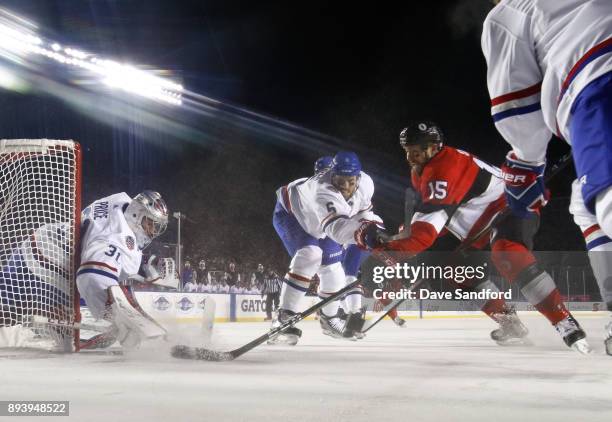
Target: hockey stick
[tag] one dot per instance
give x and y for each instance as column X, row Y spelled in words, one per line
column 391, row 306
column 38, row 320
column 201, row 353
column 554, row 170
column 411, row 198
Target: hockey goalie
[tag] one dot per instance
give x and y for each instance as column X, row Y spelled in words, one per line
column 114, row 231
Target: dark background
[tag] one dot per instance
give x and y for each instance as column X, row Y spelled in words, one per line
column 351, row 75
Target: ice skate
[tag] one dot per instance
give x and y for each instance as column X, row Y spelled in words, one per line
column 289, row 336
column 342, row 314
column 511, row 330
column 354, row 325
column 332, row 326
column 399, row 322
column 573, row 335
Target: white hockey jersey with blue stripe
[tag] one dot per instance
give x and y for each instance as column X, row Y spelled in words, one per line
column 109, row 248
column 321, row 210
column 540, row 55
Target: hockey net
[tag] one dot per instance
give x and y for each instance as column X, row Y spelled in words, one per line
column 39, row 222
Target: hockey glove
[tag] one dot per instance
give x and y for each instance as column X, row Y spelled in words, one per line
column 368, row 235
column 149, row 268
column 525, row 189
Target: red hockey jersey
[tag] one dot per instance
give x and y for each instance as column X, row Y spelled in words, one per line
column 459, row 192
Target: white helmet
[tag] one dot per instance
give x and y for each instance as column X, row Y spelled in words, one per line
column 147, row 216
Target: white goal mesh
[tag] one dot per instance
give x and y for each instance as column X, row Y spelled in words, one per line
column 39, row 220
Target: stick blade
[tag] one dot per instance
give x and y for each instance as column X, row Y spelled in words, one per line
column 200, row 353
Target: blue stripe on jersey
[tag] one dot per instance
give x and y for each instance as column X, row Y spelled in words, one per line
column 599, row 50
column 516, row 111
column 99, row 272
column 296, row 286
column 599, row 241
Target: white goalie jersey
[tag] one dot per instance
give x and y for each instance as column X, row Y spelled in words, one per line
column 109, row 253
column 321, row 210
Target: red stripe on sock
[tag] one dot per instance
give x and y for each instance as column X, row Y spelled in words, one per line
column 553, row 307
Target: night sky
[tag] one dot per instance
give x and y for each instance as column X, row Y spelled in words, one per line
column 354, row 73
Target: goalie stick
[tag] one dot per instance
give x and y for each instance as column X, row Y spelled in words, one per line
column 202, row 353
column 39, row 321
column 554, row 170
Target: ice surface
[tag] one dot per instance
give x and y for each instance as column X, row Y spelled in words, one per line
column 433, row 370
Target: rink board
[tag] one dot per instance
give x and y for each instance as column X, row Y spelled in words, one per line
column 187, row 307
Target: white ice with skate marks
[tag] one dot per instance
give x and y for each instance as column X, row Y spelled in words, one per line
column 435, row 370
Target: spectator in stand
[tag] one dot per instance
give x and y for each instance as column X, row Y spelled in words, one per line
column 202, row 274
column 235, row 288
column 204, row 285
column 245, row 287
column 251, row 290
column 214, row 286
column 232, row 276
column 190, row 287
column 223, row 287
column 188, row 275
column 272, row 284
column 257, row 278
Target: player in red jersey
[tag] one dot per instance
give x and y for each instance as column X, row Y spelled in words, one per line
column 462, row 195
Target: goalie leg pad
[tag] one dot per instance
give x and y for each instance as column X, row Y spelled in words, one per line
column 132, row 323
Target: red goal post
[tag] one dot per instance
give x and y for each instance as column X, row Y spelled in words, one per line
column 40, row 205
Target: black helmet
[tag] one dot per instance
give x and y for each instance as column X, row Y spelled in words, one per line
column 421, row 133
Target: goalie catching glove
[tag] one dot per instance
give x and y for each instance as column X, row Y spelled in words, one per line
column 149, row 268
column 525, row 190
column 369, row 235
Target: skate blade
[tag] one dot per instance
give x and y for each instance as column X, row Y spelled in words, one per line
column 401, row 324
column 331, row 334
column 515, row 342
column 581, row 346
column 284, row 340
column 339, row 337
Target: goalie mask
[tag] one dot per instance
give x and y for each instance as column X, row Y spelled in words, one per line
column 147, row 216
